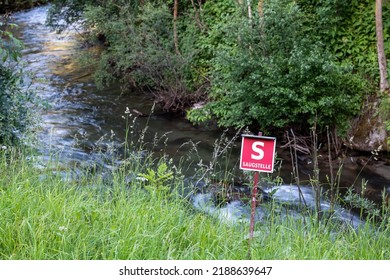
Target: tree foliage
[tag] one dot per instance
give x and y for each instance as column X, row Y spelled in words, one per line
column 347, row 28
column 13, row 5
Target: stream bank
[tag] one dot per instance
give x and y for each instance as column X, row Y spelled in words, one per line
column 85, row 126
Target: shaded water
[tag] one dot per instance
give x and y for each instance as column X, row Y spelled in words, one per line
column 82, row 120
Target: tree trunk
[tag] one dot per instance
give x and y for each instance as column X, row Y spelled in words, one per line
column 384, row 84
column 198, row 19
column 249, row 6
column 260, row 7
column 175, row 36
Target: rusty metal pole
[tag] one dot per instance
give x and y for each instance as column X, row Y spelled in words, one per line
column 253, row 203
column 253, row 207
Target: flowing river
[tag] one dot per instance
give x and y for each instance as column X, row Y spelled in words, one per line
column 82, row 119
column 84, row 126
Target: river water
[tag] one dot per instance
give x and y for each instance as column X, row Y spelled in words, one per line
column 82, row 117
column 84, row 125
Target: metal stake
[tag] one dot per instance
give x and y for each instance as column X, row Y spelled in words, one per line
column 253, row 208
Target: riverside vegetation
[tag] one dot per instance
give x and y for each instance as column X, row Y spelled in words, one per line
column 271, row 64
column 13, row 5
column 45, row 216
column 141, row 211
column 16, row 119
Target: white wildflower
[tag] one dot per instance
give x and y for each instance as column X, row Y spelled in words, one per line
column 62, row 228
column 143, row 179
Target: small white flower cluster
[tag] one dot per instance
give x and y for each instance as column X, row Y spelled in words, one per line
column 142, row 179
column 375, row 152
column 127, row 112
column 63, row 228
column 4, row 148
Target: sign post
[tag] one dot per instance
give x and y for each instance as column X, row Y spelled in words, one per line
column 257, row 154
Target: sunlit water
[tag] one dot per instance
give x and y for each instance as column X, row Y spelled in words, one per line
column 85, row 126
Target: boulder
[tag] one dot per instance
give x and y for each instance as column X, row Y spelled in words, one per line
column 368, row 132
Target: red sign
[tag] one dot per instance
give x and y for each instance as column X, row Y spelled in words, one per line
column 257, row 153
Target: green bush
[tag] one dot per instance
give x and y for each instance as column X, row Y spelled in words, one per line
column 276, row 76
column 15, row 99
column 300, row 64
column 139, row 47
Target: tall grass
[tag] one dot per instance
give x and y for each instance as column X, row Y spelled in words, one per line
column 43, row 216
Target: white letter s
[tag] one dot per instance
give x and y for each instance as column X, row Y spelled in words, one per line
column 256, row 149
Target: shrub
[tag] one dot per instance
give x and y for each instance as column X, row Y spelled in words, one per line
column 139, row 48
column 15, row 99
column 277, row 76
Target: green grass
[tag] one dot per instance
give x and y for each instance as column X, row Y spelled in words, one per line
column 43, row 216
